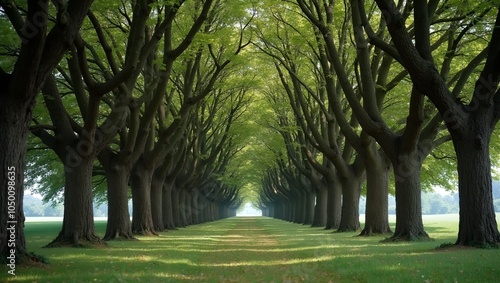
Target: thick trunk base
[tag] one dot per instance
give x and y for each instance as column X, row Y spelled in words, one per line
column 77, row 241
column 142, row 220
column 377, row 183
column 409, row 236
column 118, row 225
column 478, row 226
column 320, row 208
column 334, row 206
column 78, row 223
column 351, row 189
column 409, row 224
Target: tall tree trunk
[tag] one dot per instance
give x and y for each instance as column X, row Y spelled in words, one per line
column 167, row 209
column 478, row 225
column 188, row 205
column 203, row 205
column 272, row 212
column 300, row 213
column 320, row 208
column 118, row 225
column 78, row 223
column 195, row 209
column 310, row 198
column 182, row 208
column 142, row 221
column 351, row 190
column 334, row 206
column 409, row 224
column 14, row 134
column 176, row 209
column 289, row 210
column 157, row 201
column 377, row 184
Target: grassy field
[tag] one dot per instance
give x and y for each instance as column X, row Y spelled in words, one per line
column 260, row 250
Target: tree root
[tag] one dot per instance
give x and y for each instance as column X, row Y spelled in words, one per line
column 76, row 241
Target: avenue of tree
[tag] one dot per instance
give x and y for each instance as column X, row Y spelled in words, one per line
column 191, row 107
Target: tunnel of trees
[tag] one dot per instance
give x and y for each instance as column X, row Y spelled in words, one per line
column 191, row 108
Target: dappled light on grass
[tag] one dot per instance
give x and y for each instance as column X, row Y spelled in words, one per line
column 270, row 263
column 260, row 250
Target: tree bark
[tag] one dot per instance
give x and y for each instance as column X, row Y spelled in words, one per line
column 176, row 210
column 320, row 208
column 334, row 206
column 157, row 201
column 478, row 225
column 195, row 209
column 409, row 224
column 14, row 131
column 309, row 208
column 78, row 222
column 351, row 189
column 118, row 226
column 167, row 208
column 183, row 208
column 188, row 205
column 142, row 221
column 377, row 183
column 300, row 212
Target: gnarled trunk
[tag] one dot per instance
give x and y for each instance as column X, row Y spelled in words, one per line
column 334, row 206
column 478, row 225
column 176, row 208
column 351, row 189
column 12, row 156
column 310, row 198
column 188, row 205
column 409, row 225
column 78, row 223
column 167, row 208
column 195, row 209
column 118, row 225
column 183, row 208
column 157, row 202
column 320, row 208
column 142, row 221
column 377, row 183
column 300, row 207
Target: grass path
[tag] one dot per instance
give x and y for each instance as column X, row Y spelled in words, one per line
column 258, row 250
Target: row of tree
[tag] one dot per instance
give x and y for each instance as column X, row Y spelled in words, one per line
column 147, row 95
column 364, row 88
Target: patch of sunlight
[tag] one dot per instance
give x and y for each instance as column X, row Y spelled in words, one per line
column 271, row 262
column 180, row 276
column 143, row 258
column 392, row 267
column 275, row 250
column 176, row 261
column 190, row 238
column 25, row 278
column 73, row 257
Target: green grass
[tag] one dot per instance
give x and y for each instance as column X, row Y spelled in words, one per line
column 259, row 250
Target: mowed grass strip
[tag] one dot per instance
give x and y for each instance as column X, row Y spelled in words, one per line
column 259, row 250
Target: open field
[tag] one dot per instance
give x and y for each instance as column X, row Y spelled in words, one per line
column 258, row 249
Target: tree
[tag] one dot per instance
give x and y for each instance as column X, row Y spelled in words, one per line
column 469, row 123
column 78, row 145
column 40, row 51
column 408, row 147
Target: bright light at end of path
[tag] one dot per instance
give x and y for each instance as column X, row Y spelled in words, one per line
column 249, row 210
